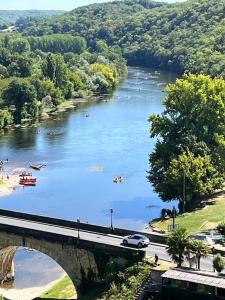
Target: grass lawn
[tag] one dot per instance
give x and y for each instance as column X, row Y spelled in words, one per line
column 64, row 289
column 199, row 220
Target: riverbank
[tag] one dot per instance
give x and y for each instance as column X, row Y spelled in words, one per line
column 199, row 220
column 28, row 293
column 8, row 183
column 62, row 289
column 118, row 287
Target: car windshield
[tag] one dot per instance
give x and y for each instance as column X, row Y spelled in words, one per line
column 143, row 237
column 136, row 237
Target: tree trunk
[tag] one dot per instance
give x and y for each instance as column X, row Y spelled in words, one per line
column 180, row 261
column 199, row 258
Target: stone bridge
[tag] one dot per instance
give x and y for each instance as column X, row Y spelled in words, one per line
column 85, row 255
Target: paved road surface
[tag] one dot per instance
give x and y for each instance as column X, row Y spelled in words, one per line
column 206, row 263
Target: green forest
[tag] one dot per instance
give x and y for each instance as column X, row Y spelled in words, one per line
column 38, row 74
column 183, row 37
column 10, row 17
column 48, row 60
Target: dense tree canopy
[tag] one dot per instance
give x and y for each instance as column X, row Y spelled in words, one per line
column 191, row 133
column 184, row 37
column 22, row 94
column 56, row 68
column 10, row 17
column 58, row 43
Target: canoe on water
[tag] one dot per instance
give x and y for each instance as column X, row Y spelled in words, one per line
column 27, row 183
column 24, row 174
column 37, row 167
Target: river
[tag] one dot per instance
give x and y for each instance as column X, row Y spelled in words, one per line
column 86, row 153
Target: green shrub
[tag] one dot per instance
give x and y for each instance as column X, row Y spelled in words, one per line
column 218, row 263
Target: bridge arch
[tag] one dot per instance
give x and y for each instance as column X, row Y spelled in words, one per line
column 79, row 264
column 9, row 262
column 85, row 260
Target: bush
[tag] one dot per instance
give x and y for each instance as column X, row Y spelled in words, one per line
column 221, row 228
column 218, row 263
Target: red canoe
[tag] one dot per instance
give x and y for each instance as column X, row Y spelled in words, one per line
column 28, row 179
column 28, row 183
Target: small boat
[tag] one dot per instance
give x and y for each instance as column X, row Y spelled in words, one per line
column 37, row 167
column 28, row 179
column 24, row 174
column 27, row 183
column 118, row 179
column 54, row 133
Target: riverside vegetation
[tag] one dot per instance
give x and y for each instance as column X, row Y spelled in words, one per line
column 39, row 74
column 120, row 285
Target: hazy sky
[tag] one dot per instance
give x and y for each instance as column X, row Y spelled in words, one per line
column 49, row 4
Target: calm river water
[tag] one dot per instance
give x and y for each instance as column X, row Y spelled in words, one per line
column 87, row 153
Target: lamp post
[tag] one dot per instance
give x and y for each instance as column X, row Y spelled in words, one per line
column 180, row 147
column 111, row 219
column 184, row 190
column 174, row 216
column 78, row 228
column 213, row 253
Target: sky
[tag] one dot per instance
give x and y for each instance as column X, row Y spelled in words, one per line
column 50, row 4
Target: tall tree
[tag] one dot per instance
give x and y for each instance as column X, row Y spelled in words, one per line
column 191, row 138
column 19, row 45
column 178, row 245
column 22, row 94
column 200, row 249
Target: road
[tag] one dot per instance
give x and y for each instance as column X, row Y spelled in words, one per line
column 151, row 250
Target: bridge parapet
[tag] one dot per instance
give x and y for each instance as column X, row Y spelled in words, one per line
column 154, row 237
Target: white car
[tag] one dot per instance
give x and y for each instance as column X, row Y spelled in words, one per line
column 136, row 240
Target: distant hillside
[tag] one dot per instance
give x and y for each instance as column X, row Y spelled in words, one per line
column 9, row 17
column 187, row 36
column 94, row 18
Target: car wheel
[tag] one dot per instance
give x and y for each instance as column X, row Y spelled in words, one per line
column 125, row 242
column 140, row 245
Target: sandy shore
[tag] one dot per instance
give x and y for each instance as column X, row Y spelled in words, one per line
column 8, row 185
column 28, row 293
